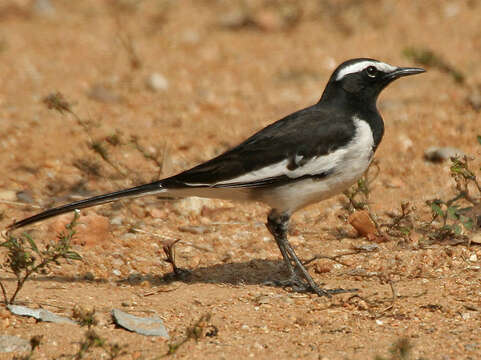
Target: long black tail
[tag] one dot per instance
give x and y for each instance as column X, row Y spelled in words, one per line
column 153, row 188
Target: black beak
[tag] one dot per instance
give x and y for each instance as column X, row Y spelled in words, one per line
column 403, row 71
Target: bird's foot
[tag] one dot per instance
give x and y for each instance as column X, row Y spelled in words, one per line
column 178, row 274
column 298, row 285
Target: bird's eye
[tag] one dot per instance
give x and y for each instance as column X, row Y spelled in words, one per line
column 371, row 71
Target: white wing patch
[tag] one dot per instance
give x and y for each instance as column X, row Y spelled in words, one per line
column 316, row 165
column 357, row 67
column 360, row 147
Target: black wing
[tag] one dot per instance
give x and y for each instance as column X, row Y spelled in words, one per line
column 310, row 132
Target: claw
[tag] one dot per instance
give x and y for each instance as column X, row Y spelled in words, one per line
column 298, row 285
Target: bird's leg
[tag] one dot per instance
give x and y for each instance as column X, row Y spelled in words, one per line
column 277, row 225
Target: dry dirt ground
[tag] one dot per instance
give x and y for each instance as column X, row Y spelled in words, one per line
column 227, row 69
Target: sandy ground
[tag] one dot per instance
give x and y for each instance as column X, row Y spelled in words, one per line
column 224, row 71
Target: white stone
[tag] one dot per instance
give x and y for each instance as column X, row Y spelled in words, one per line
column 157, row 82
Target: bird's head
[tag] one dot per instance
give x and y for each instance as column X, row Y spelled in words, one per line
column 363, row 80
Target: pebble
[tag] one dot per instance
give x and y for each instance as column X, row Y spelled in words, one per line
column 322, row 267
column 116, row 272
column 234, row 19
column 367, row 247
column 25, row 196
column 44, row 7
column 440, row 154
column 158, row 213
column 190, row 37
column 118, row 220
column 39, row 314
column 361, row 221
column 394, row 183
column 406, row 142
column 198, row 230
column 157, row 82
column 103, row 94
column 191, row 205
column 152, row 326
column 269, row 20
column 473, row 258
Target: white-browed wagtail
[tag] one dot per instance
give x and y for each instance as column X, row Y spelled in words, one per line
column 306, row 157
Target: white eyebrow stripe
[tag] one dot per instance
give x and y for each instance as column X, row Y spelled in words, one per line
column 362, row 65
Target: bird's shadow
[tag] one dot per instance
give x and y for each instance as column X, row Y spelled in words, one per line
column 253, row 272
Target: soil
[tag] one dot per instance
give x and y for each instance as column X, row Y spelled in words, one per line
column 225, row 70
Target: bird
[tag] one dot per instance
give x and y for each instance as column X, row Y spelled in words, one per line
column 301, row 159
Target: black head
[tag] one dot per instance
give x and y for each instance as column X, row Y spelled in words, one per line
column 362, row 80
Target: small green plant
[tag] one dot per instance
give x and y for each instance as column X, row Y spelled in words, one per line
column 101, row 147
column 149, row 156
column 450, row 219
column 400, row 350
column 456, row 215
column 24, row 257
column 84, row 317
column 465, row 177
column 202, row 327
column 402, row 224
column 358, row 194
column 92, row 340
column 35, row 342
column 56, row 101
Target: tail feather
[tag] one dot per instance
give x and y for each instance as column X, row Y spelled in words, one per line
column 141, row 190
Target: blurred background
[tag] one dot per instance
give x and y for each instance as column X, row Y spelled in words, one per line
column 98, row 95
column 191, row 78
column 195, row 77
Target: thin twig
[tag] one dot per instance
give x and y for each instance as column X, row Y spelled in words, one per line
column 16, row 203
column 394, row 296
column 4, row 292
column 161, row 291
column 333, row 258
column 199, row 247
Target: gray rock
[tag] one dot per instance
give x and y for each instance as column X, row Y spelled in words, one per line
column 13, row 344
column 195, row 229
column 440, row 154
column 104, row 94
column 145, row 326
column 235, row 19
column 39, row 314
column 25, row 196
column 44, row 7
column 367, row 247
